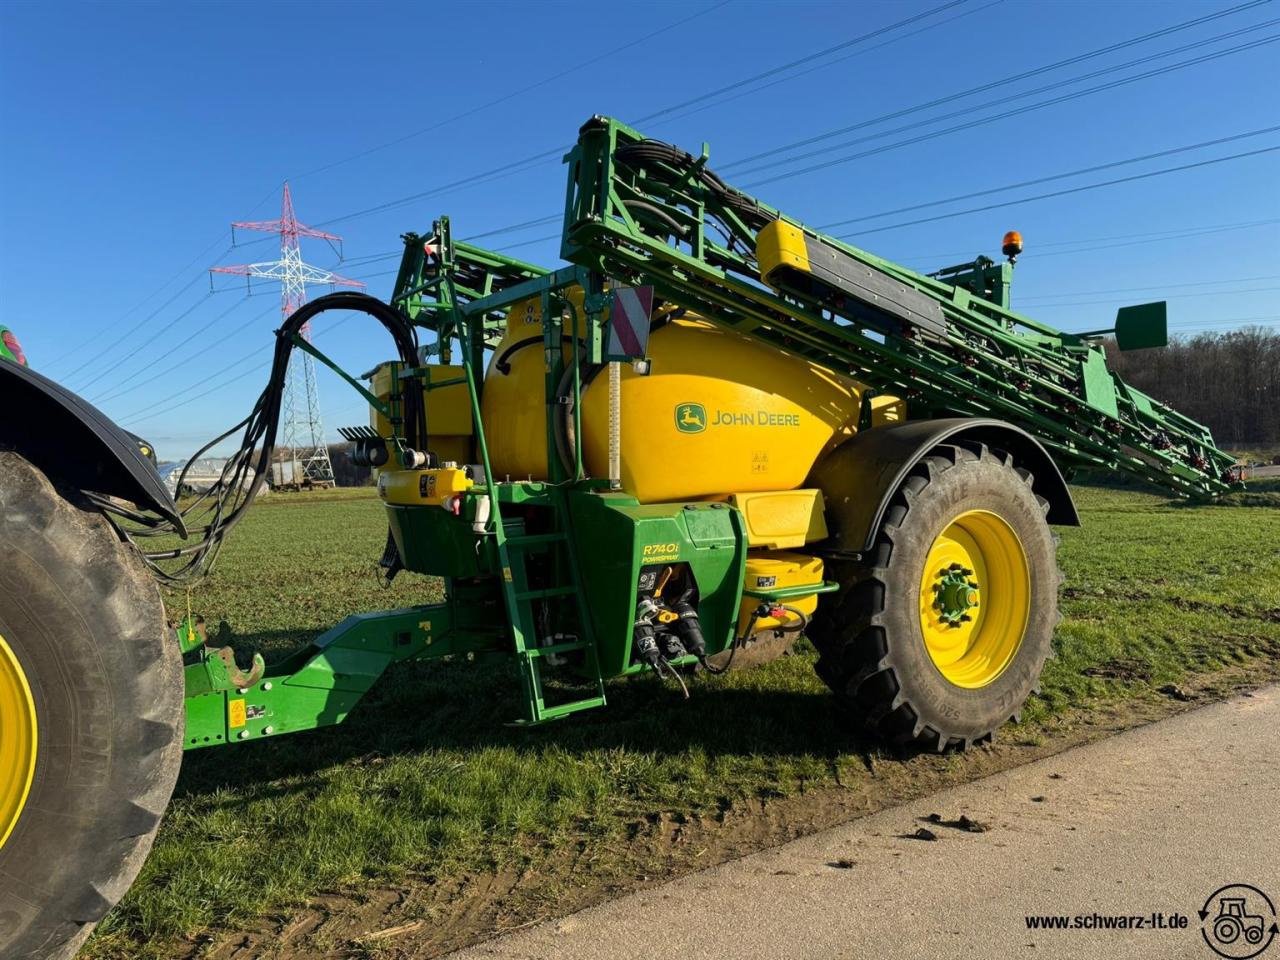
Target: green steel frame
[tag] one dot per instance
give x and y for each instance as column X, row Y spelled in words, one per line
column 634, row 214
column 656, row 222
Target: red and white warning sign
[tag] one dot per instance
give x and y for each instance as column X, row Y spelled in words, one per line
column 629, row 323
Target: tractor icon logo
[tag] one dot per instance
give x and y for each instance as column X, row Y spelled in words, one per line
column 1238, row 921
column 1232, row 921
column 691, row 417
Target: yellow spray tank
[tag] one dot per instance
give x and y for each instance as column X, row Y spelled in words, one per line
column 719, row 413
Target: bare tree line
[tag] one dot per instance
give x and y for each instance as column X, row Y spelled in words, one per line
column 1228, row 381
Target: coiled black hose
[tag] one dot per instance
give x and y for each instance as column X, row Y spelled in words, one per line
column 648, row 154
column 223, row 505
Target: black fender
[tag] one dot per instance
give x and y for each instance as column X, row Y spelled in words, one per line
column 860, row 476
column 76, row 444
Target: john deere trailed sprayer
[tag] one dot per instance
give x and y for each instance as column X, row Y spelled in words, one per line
column 712, row 425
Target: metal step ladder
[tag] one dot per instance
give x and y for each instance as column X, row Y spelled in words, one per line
column 515, row 547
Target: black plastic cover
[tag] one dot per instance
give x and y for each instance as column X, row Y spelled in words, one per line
column 75, row 443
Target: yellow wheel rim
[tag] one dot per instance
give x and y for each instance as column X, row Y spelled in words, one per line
column 975, row 598
column 17, row 740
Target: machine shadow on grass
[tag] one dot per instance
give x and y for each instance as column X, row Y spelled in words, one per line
column 463, row 706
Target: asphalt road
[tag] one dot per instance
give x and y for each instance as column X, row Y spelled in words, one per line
column 1154, row 820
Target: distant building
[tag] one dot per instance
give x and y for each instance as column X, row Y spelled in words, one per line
column 201, row 476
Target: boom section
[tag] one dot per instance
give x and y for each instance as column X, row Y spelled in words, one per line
column 644, row 212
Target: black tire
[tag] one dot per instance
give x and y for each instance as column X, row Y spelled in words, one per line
column 871, row 646
column 86, row 624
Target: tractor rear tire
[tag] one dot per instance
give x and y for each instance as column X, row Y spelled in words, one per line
column 85, row 646
column 918, row 671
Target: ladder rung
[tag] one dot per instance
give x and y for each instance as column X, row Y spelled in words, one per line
column 545, row 594
column 573, row 706
column 568, row 646
column 561, row 710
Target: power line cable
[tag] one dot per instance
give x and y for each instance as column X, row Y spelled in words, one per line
column 1002, row 82
column 128, row 313
column 510, row 246
column 1056, row 176
column 1101, row 243
column 1137, row 243
column 1039, row 252
column 512, row 228
column 207, row 388
column 748, row 80
column 114, row 395
column 830, row 63
column 711, row 94
column 1156, row 286
column 510, row 168
column 774, row 71
column 1063, row 193
column 1210, row 326
column 982, row 121
column 98, row 357
column 202, row 255
column 517, row 166
column 115, row 392
column 108, row 369
column 520, row 91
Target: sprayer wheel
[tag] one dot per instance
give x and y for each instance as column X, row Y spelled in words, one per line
column 95, row 688
column 941, row 635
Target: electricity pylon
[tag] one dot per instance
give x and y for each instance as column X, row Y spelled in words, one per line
column 303, row 427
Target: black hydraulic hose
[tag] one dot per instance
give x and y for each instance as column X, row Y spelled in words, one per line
column 648, row 152
column 737, row 642
column 801, row 624
column 674, row 673
column 674, row 225
column 227, row 500
column 503, row 361
column 563, row 425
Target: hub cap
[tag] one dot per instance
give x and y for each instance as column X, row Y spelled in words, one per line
column 17, row 740
column 975, row 598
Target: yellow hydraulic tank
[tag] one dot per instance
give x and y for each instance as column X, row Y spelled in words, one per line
column 448, row 409
column 778, row 570
column 512, row 404
column 718, row 412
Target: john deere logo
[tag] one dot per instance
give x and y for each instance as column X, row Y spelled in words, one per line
column 691, row 417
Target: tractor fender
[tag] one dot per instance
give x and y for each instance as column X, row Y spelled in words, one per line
column 859, row 477
column 76, row 444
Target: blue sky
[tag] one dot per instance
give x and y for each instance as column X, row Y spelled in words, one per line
column 134, row 133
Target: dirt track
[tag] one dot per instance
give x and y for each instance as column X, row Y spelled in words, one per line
column 1155, row 821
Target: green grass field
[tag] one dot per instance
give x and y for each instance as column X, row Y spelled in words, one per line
column 424, row 778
